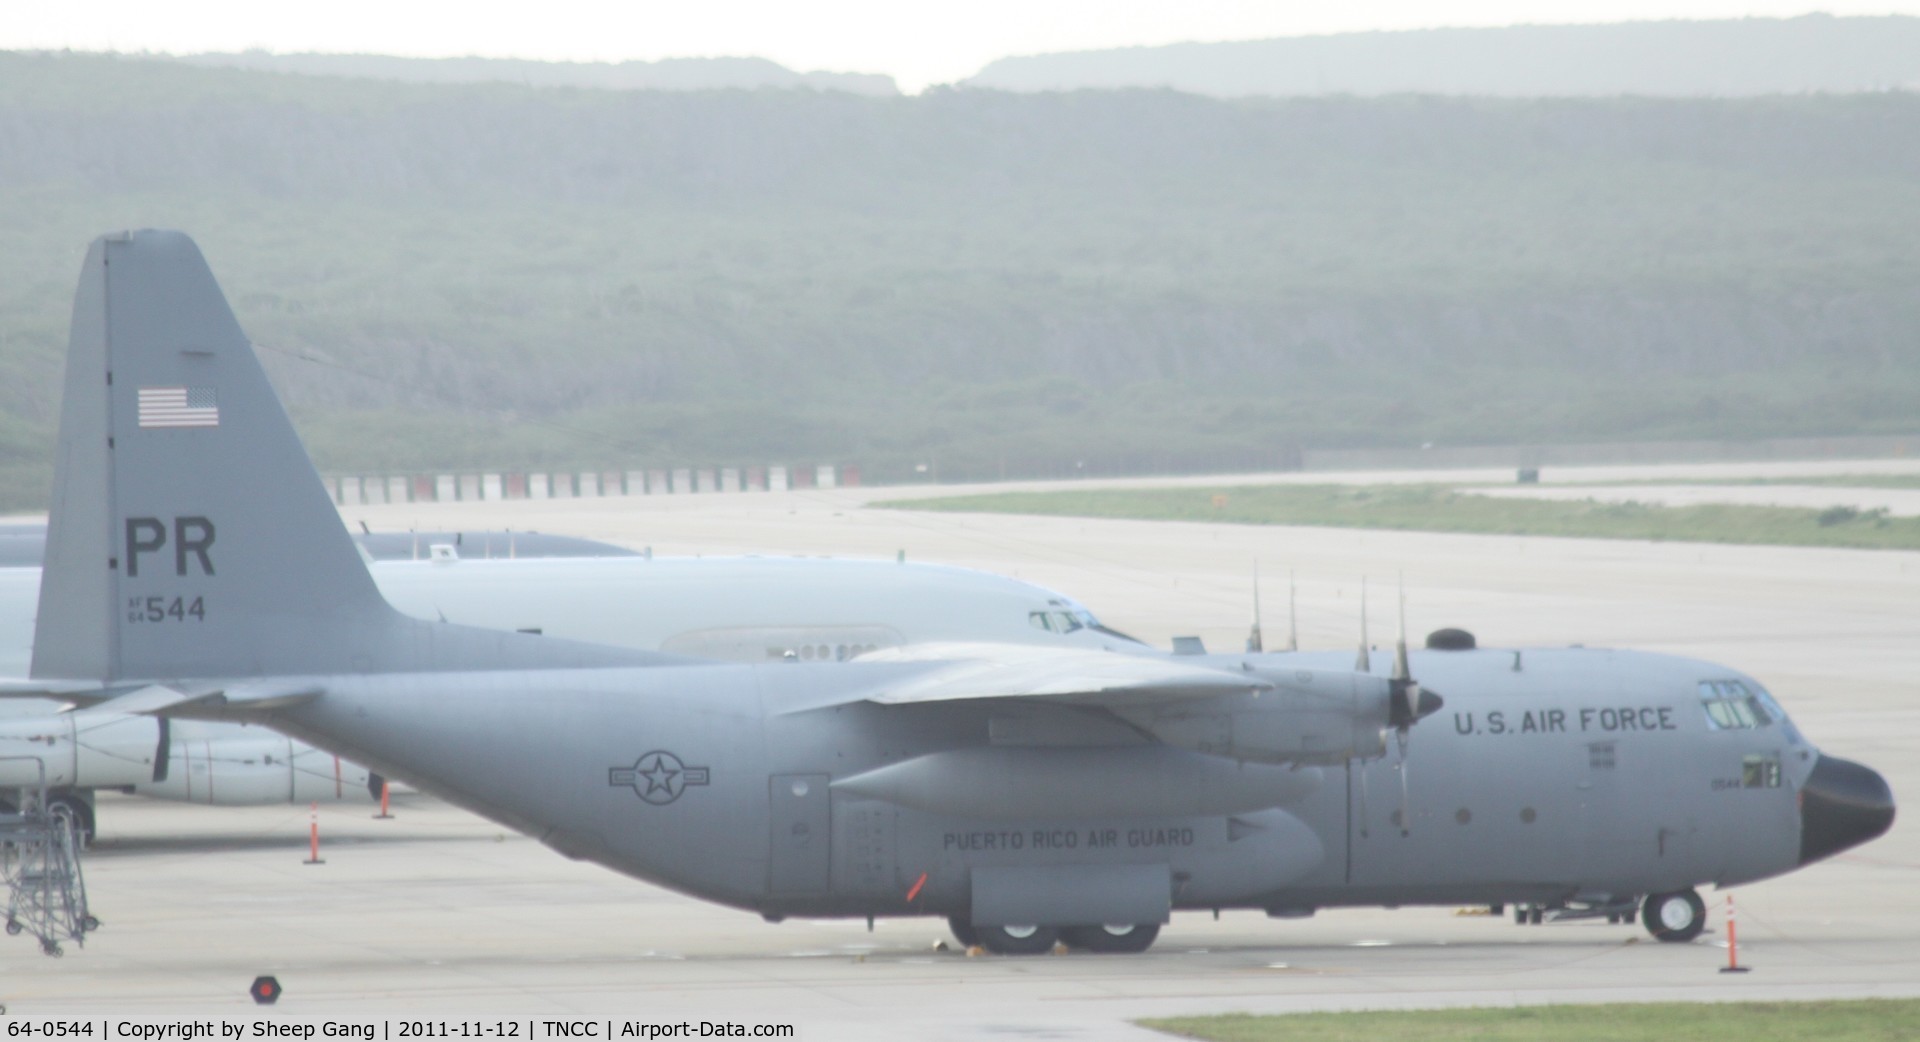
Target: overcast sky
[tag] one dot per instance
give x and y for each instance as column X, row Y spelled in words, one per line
column 918, row 42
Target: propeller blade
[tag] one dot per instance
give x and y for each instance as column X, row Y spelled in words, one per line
column 1293, row 627
column 1364, row 663
column 1406, row 801
column 1254, row 640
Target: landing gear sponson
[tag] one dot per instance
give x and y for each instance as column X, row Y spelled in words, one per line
column 1034, row 939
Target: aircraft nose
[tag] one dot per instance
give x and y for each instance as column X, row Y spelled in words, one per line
column 1843, row 804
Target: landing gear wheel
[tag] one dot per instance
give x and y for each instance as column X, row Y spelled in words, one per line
column 1536, row 915
column 1519, row 915
column 89, row 924
column 963, row 931
column 1675, row 917
column 14, row 928
column 1018, row 940
column 1113, row 938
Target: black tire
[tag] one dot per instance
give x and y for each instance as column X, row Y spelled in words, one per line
column 1112, row 939
column 1676, row 918
column 963, row 931
column 1018, row 940
column 1519, row 915
column 1536, row 915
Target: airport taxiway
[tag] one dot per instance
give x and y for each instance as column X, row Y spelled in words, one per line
column 438, row 913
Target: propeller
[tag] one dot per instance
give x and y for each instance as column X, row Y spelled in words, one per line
column 1364, row 663
column 1293, row 621
column 1254, row 642
column 1407, row 703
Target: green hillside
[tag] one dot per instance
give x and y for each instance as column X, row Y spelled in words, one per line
column 996, row 283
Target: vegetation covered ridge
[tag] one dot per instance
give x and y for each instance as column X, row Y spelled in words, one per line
column 989, row 284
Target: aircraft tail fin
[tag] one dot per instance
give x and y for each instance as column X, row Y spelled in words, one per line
column 190, row 535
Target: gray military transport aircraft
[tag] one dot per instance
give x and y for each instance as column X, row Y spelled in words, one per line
column 1031, row 795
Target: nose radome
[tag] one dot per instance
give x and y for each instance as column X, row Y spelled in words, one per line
column 1843, row 804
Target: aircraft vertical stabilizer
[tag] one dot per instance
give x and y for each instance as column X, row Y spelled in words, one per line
column 190, row 535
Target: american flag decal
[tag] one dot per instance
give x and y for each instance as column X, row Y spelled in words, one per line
column 179, row 407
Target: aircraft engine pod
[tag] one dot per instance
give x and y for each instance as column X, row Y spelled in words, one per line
column 1307, row 717
column 1043, row 783
column 252, row 772
column 78, row 749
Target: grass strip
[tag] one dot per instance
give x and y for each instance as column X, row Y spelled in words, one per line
column 1861, row 1020
column 1893, row 481
column 1441, row 508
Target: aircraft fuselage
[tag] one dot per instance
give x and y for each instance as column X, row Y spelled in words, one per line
column 1550, row 776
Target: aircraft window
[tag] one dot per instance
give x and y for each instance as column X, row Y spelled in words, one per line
column 1731, row 706
column 1777, row 714
column 1760, row 771
column 1057, row 621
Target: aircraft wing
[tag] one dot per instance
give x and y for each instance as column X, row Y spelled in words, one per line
column 161, row 700
column 1070, row 676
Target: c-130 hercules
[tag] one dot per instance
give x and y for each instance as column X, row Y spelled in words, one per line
column 1029, row 795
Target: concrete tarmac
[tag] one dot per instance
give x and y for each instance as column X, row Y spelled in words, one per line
column 440, row 914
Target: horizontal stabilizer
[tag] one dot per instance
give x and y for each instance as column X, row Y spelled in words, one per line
column 1077, row 677
column 60, row 690
column 160, row 700
column 153, row 699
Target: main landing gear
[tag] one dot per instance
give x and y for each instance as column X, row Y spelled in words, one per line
column 1035, row 939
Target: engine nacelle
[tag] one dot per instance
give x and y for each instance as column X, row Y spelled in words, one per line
column 81, row 749
column 1308, row 717
column 251, row 771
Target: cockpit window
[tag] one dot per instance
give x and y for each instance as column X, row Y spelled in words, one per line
column 1732, row 706
column 1059, row 621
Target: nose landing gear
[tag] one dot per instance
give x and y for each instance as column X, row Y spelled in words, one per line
column 1676, row 917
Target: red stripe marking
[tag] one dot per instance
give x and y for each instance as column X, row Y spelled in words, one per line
column 917, row 884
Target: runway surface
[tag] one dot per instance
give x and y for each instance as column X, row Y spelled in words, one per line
column 438, row 913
